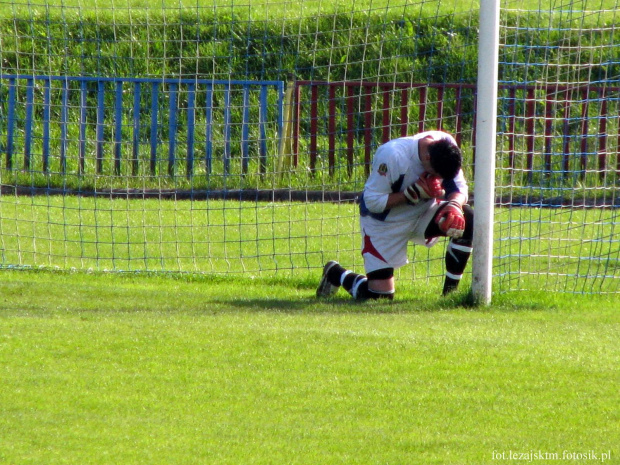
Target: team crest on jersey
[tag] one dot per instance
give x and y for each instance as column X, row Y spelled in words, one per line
column 383, row 169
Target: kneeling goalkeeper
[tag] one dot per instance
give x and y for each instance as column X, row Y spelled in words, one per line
column 416, row 192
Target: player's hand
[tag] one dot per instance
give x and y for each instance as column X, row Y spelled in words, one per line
column 426, row 187
column 451, row 220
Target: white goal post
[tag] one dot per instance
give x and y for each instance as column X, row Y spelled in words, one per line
column 486, row 124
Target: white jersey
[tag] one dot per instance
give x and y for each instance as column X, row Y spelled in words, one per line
column 395, row 167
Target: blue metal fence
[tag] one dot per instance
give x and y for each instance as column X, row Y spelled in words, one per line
column 85, row 118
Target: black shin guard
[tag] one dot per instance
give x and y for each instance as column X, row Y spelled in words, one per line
column 458, row 253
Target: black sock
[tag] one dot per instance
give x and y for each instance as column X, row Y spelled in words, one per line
column 457, row 256
column 334, row 275
column 357, row 285
column 450, row 284
column 351, row 282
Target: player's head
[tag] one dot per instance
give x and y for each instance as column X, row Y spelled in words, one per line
column 445, row 158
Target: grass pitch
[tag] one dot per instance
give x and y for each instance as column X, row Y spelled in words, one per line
column 135, row 369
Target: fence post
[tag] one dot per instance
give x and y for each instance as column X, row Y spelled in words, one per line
column 285, row 147
column 314, row 103
column 209, row 129
column 262, row 116
column 83, row 110
column 136, row 128
column 118, row 127
column 331, row 128
column 64, row 139
column 100, row 124
column 29, row 122
column 191, row 123
column 154, row 124
column 46, row 123
column 173, row 89
column 245, row 130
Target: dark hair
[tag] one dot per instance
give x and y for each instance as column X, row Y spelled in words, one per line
column 446, row 158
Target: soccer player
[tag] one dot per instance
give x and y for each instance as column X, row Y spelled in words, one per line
column 415, row 192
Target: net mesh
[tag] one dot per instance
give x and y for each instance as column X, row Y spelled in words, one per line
column 558, row 168
column 233, row 137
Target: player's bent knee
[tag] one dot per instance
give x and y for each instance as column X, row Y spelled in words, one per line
column 468, row 213
column 468, row 233
column 363, row 292
column 382, row 274
column 381, row 284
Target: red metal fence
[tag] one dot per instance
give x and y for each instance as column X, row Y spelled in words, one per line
column 549, row 121
column 390, row 102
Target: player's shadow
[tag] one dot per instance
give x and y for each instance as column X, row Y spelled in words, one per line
column 344, row 304
column 273, row 304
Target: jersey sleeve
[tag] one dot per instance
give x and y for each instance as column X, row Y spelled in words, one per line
column 380, row 184
column 458, row 184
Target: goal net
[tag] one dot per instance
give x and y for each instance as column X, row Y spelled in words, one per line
column 220, row 138
column 558, row 170
column 234, row 137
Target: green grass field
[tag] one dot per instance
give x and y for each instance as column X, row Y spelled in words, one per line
column 229, row 358
column 207, row 345
column 134, row 369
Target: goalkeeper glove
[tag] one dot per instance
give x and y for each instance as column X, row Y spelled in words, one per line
column 426, row 187
column 451, row 220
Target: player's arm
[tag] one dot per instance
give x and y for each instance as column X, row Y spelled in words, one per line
column 426, row 187
column 395, row 199
column 379, row 195
column 457, row 189
column 457, row 197
column 383, row 201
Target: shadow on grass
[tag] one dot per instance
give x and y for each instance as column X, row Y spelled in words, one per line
column 41, row 291
column 345, row 305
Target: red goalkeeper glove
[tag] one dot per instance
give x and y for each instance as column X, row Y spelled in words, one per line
column 426, row 187
column 451, row 220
